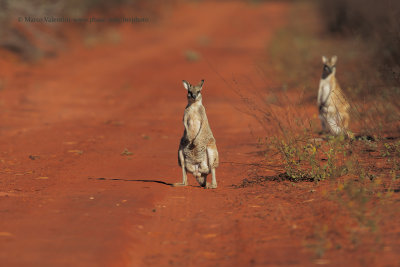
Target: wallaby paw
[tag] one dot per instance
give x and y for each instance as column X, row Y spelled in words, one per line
column 211, row 186
column 179, row 184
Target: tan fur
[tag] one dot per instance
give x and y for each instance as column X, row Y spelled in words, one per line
column 197, row 152
column 332, row 104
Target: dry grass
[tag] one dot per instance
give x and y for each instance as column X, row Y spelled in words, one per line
column 363, row 174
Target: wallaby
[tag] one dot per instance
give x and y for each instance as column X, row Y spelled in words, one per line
column 197, row 152
column 332, row 104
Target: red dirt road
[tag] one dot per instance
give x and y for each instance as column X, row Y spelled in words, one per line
column 69, row 197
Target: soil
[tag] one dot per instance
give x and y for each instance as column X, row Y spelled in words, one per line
column 89, row 144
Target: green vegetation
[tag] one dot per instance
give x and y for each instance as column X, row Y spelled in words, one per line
column 312, row 160
column 192, row 55
column 361, row 174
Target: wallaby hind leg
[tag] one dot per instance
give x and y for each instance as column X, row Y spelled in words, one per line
column 213, row 184
column 334, row 126
column 211, row 155
column 184, row 175
column 345, row 123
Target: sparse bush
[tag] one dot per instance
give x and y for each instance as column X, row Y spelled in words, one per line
column 364, row 172
column 312, row 160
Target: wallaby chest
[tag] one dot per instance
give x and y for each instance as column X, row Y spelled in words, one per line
column 192, row 120
column 324, row 93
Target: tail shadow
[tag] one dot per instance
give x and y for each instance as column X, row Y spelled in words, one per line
column 132, row 180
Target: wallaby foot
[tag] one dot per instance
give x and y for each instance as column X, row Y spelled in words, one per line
column 210, row 186
column 179, row 184
column 213, row 184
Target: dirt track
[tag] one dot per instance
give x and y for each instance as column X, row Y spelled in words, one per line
column 68, row 197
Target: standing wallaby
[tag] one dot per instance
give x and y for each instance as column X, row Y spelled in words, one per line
column 197, row 152
column 332, row 104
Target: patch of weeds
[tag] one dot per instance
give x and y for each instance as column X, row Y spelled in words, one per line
column 307, row 160
column 395, row 169
column 391, row 149
column 192, row 56
column 126, row 152
column 145, row 137
column 369, row 145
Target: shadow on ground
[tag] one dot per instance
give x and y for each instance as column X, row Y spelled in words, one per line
column 138, row 180
column 132, row 180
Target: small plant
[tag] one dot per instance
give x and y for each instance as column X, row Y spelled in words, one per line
column 192, row 56
column 126, row 152
column 391, row 149
column 312, row 161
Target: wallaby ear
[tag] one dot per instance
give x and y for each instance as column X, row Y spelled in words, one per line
column 324, row 59
column 334, row 60
column 186, row 85
column 201, row 84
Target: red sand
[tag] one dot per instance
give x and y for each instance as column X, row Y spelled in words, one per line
column 69, row 198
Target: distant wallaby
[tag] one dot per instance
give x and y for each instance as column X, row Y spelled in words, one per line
column 197, row 152
column 332, row 104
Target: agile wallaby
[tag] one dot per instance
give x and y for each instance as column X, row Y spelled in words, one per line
column 197, row 152
column 332, row 104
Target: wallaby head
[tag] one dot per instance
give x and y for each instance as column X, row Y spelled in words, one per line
column 194, row 91
column 329, row 66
